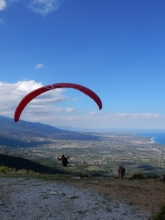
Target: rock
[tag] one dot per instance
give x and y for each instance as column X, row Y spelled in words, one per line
column 72, row 197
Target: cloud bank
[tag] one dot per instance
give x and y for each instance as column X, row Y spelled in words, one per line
column 12, row 94
column 45, row 109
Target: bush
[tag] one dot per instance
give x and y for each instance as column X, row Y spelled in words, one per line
column 136, row 176
column 31, row 171
column 83, row 175
column 4, row 169
column 161, row 214
column 22, row 171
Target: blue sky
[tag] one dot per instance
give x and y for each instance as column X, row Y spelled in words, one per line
column 114, row 47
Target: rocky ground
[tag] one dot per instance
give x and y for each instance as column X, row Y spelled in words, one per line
column 80, row 198
column 146, row 194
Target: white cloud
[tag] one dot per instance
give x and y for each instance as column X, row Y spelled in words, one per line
column 5, row 3
column 45, row 7
column 132, row 116
column 12, row 94
column 45, row 109
column 113, row 121
column 130, row 120
column 144, row 116
column 75, row 99
column 2, row 20
column 69, row 109
column 39, row 66
column 2, row 5
column 26, row 86
column 42, row 7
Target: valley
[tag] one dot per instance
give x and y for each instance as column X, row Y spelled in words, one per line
column 97, row 157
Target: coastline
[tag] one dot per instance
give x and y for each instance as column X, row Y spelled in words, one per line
column 157, row 140
column 153, row 141
column 155, row 137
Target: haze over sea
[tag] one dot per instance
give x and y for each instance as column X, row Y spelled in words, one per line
column 156, row 136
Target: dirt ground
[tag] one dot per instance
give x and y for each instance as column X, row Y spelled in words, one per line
column 77, row 198
column 147, row 194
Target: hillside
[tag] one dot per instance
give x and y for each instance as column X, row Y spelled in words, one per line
column 20, row 163
column 22, row 128
column 24, row 134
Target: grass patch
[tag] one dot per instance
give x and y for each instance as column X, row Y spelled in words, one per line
column 46, row 177
column 141, row 176
column 54, row 177
column 161, row 214
column 136, row 176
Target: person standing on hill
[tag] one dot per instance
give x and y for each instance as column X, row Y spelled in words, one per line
column 119, row 172
column 122, row 172
column 64, row 160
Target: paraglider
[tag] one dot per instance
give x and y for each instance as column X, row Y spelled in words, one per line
column 29, row 97
column 64, row 160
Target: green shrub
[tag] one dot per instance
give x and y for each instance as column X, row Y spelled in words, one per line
column 4, row 169
column 161, row 214
column 22, row 171
column 136, row 176
column 83, row 175
column 31, row 171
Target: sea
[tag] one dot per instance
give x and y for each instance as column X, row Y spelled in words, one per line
column 156, row 137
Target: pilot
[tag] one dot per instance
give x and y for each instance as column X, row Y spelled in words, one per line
column 64, row 160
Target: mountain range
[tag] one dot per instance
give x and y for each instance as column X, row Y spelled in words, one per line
column 24, row 133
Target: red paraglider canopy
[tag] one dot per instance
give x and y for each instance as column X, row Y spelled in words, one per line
column 43, row 89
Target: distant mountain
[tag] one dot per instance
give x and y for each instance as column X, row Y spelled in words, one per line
column 22, row 133
column 7, row 125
